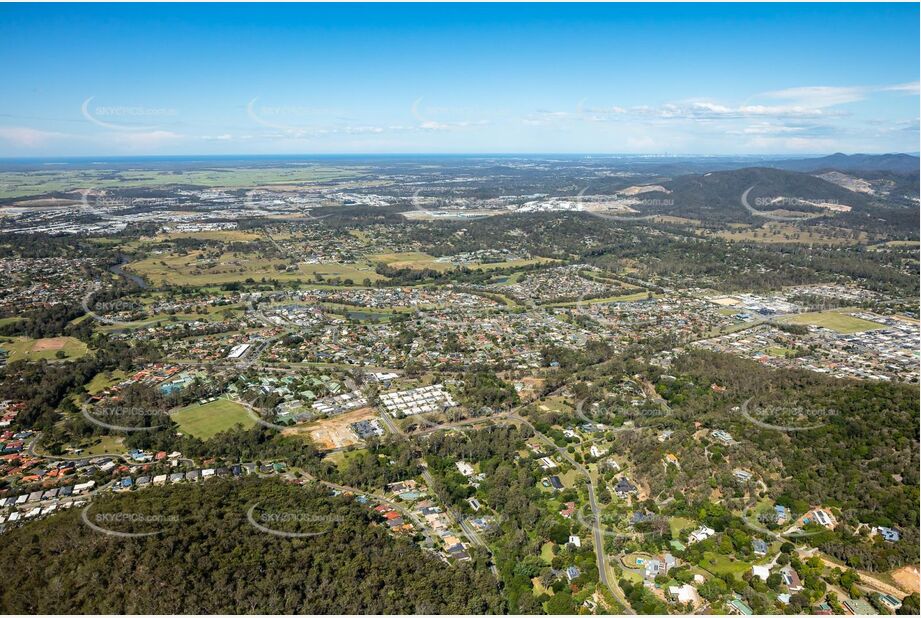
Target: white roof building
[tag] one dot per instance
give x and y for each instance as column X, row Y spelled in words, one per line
column 701, row 534
column 760, row 571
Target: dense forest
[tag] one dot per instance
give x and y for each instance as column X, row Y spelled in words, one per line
column 207, row 558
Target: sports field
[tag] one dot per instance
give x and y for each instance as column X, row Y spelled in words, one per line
column 25, row 348
column 205, row 420
column 833, row 320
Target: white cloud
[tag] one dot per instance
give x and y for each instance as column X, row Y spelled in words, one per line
column 27, row 137
column 909, row 88
column 147, row 140
column 819, row 97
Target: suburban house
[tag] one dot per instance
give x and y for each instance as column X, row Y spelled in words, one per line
column 700, row 534
column 685, row 593
column 464, row 468
column 859, row 607
column 889, row 535
column 624, row 487
column 791, row 579
column 660, row 565
column 889, row 602
column 569, row 510
column 819, row 516
column 781, row 513
column 743, row 476
column 738, row 607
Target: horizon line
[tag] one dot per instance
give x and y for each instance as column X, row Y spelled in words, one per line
column 459, row 154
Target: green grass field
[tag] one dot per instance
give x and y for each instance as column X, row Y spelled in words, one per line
column 778, row 351
column 214, row 314
column 193, row 270
column 636, row 560
column 833, row 320
column 626, row 298
column 24, row 348
column 677, row 524
column 416, row 259
column 102, row 381
column 204, row 421
column 719, row 564
column 342, row 459
column 105, row 444
column 546, row 552
column 5, row 321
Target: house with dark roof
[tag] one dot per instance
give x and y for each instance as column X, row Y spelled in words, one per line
column 889, row 602
column 624, row 487
column 890, row 535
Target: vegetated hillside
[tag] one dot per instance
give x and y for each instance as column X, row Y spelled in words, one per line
column 898, row 163
column 209, row 559
column 716, row 198
column 718, row 195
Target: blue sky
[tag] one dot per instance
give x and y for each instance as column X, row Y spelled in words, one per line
column 108, row 79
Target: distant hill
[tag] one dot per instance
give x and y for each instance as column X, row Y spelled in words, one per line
column 897, row 163
column 717, row 196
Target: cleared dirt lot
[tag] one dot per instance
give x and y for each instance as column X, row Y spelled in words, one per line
column 907, row 578
column 333, row 433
